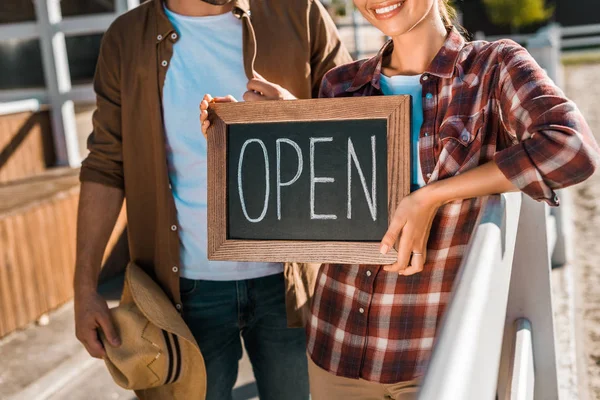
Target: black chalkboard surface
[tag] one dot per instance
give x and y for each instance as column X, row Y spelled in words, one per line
column 318, row 184
column 306, row 180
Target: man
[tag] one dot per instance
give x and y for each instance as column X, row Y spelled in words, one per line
column 156, row 62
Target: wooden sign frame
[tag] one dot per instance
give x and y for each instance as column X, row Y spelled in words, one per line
column 394, row 109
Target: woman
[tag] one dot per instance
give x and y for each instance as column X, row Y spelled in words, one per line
column 486, row 119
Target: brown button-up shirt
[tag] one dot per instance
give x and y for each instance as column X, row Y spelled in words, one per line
column 291, row 43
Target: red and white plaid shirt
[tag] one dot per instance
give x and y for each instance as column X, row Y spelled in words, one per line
column 481, row 101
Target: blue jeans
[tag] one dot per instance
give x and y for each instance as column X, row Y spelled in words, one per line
column 218, row 313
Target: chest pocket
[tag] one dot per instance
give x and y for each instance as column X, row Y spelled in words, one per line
column 461, row 129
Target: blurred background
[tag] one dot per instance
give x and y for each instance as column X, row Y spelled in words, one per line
column 48, row 54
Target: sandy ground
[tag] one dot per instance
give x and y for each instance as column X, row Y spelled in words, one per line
column 582, row 84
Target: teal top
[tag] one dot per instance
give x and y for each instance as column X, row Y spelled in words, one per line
column 409, row 85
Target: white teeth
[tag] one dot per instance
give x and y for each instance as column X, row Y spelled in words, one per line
column 387, row 9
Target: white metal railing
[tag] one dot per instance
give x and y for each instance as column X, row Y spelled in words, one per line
column 499, row 321
column 19, row 107
column 51, row 29
column 570, row 36
column 466, row 357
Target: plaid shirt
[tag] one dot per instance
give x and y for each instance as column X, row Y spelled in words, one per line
column 481, row 101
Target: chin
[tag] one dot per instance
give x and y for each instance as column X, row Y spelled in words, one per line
column 392, row 27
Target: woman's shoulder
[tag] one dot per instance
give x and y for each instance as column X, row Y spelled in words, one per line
column 496, row 51
column 339, row 79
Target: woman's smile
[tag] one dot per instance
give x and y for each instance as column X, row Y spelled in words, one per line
column 387, row 9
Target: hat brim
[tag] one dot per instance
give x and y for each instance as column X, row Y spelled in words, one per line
column 190, row 386
column 156, row 307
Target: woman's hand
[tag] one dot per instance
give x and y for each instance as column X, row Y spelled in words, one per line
column 260, row 89
column 204, row 122
column 410, row 227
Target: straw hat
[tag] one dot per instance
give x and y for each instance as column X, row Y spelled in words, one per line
column 158, row 357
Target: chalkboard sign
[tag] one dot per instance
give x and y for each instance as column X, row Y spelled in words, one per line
column 306, row 180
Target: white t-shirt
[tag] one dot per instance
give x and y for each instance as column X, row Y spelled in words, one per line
column 207, row 58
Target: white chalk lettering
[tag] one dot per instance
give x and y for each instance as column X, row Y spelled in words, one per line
column 298, row 172
column 241, row 190
column 372, row 199
column 314, row 180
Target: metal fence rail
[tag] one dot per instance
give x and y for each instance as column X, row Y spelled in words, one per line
column 501, row 304
column 466, row 357
column 51, row 29
column 571, row 37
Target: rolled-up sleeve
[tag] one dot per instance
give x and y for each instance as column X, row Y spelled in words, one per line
column 554, row 146
column 104, row 164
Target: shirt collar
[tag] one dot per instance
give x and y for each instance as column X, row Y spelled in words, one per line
column 442, row 65
column 164, row 27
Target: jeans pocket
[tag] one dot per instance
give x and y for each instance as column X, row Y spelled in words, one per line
column 187, row 286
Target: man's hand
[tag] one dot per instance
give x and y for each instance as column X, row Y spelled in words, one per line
column 205, row 103
column 260, row 89
column 91, row 314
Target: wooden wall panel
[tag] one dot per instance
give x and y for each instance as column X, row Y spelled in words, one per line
column 25, row 145
column 38, row 218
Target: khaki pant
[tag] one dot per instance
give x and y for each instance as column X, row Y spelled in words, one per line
column 326, row 386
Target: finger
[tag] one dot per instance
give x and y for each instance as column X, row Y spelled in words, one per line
column 391, row 236
column 208, row 98
column 404, row 248
column 419, row 252
column 205, row 126
column 107, row 326
column 203, row 105
column 253, row 96
column 417, row 262
column 92, row 343
column 203, row 115
column 225, row 99
column 268, row 89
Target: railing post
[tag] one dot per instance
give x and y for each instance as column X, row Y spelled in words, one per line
column 58, row 82
column 522, row 375
column 122, row 6
column 530, row 297
column 545, row 47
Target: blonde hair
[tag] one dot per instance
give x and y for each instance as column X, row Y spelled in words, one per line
column 447, row 12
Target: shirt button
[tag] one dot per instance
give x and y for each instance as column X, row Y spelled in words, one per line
column 174, row 36
column 178, row 306
column 159, row 37
column 369, row 273
column 175, row 269
column 173, row 228
column 426, row 134
column 164, row 63
column 429, row 175
column 425, row 77
column 429, row 96
column 361, row 310
column 465, row 137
